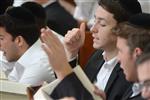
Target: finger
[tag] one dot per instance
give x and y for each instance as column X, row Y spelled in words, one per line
column 45, row 38
column 46, row 49
column 99, row 92
column 49, row 38
column 82, row 28
column 82, row 31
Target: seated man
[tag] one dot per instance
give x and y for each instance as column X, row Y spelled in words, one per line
column 132, row 41
column 143, row 61
column 143, row 69
column 19, row 36
column 102, row 68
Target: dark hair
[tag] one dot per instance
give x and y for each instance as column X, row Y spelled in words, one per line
column 38, row 11
column 143, row 58
column 136, row 37
column 141, row 20
column 121, row 9
column 18, row 21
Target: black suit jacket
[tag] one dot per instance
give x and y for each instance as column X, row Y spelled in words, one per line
column 115, row 87
column 58, row 19
column 128, row 93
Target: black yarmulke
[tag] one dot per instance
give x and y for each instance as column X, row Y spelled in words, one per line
column 36, row 9
column 20, row 14
column 132, row 6
column 141, row 20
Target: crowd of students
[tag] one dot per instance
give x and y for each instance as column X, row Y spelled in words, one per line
column 119, row 68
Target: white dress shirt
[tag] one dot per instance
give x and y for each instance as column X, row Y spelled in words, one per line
column 136, row 89
column 5, row 66
column 32, row 67
column 105, row 72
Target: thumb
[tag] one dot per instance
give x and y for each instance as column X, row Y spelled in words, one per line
column 82, row 31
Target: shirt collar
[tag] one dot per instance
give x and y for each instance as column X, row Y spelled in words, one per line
column 48, row 3
column 112, row 61
column 136, row 89
column 31, row 54
column 35, row 52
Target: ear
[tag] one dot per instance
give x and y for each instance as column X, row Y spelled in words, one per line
column 19, row 40
column 137, row 52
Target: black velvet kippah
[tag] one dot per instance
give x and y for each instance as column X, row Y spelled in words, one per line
column 141, row 20
column 36, row 9
column 132, row 6
column 20, row 14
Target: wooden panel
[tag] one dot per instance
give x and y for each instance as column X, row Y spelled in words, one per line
column 31, row 91
column 12, row 90
column 86, row 50
column 71, row 2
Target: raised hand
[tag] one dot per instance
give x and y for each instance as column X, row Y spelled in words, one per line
column 73, row 40
column 56, row 53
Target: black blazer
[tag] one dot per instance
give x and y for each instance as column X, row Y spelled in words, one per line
column 58, row 19
column 115, row 87
column 128, row 93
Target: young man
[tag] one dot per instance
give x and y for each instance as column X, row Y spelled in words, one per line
column 105, row 72
column 143, row 61
column 133, row 42
column 19, row 36
column 143, row 70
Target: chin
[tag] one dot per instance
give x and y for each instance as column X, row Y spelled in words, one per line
column 95, row 46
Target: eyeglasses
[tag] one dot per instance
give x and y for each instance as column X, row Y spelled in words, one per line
column 145, row 85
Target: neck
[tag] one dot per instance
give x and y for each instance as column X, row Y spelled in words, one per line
column 23, row 49
column 109, row 54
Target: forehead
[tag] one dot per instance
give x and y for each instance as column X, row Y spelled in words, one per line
column 144, row 71
column 121, row 42
column 103, row 14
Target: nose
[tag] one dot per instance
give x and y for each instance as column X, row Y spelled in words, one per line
column 94, row 28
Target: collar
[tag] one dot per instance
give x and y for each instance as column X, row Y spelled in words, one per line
column 48, row 3
column 32, row 54
column 111, row 62
column 35, row 52
column 136, row 89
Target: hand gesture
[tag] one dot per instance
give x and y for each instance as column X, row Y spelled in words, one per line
column 56, row 53
column 73, row 40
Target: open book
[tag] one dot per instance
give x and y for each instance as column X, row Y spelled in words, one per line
column 85, row 81
column 44, row 92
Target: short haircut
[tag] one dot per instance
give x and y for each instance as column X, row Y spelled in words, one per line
column 121, row 9
column 136, row 37
column 143, row 58
column 18, row 21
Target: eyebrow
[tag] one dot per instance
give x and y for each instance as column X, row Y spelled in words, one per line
column 100, row 18
column 145, row 81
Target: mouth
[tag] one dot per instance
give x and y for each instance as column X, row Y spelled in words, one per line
column 95, row 39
